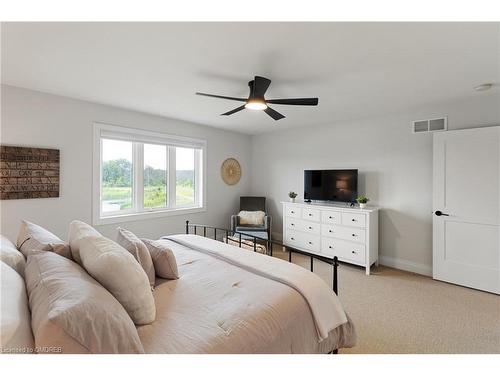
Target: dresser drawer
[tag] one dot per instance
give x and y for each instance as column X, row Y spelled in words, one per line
column 344, row 233
column 293, row 211
column 303, row 226
column 343, row 249
column 331, row 217
column 308, row 227
column 293, row 238
column 311, row 214
column 354, row 220
column 329, row 230
column 291, row 223
column 350, row 234
column 302, row 240
column 311, row 243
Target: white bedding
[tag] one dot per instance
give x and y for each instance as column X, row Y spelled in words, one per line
column 325, row 306
column 217, row 307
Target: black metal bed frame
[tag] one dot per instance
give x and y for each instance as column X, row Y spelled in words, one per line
column 333, row 262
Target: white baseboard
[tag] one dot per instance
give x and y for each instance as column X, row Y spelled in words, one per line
column 405, row 265
column 400, row 264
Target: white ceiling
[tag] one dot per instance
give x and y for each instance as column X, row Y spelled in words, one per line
column 356, row 69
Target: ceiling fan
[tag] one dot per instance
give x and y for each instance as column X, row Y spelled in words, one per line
column 256, row 101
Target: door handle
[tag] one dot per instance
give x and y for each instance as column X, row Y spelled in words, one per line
column 439, row 213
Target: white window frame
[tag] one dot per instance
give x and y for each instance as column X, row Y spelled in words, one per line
column 138, row 138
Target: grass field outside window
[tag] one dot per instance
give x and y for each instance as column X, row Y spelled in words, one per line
column 119, row 198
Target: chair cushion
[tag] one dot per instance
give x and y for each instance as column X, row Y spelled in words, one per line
column 117, row 270
column 251, row 217
column 11, row 256
column 73, row 312
column 77, row 231
column 251, row 228
column 15, row 320
column 163, row 259
column 33, row 238
column 130, row 242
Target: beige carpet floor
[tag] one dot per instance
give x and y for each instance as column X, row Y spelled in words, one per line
column 401, row 312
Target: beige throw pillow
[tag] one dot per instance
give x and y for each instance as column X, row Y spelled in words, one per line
column 163, row 259
column 73, row 313
column 252, row 217
column 77, row 231
column 15, row 321
column 130, row 242
column 33, row 238
column 117, row 270
column 11, row 256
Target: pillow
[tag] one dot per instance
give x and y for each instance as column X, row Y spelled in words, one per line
column 73, row 313
column 11, row 256
column 117, row 270
column 163, row 259
column 136, row 247
column 252, row 217
column 77, row 231
column 15, row 321
column 34, row 238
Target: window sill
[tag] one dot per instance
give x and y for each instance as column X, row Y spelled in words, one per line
column 147, row 215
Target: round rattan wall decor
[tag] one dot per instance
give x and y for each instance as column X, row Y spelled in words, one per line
column 230, row 171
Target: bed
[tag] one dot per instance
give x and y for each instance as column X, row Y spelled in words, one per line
column 222, row 304
column 226, row 300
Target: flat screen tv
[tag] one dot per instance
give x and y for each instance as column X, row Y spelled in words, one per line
column 337, row 185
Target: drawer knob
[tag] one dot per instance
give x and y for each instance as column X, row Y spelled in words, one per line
column 293, row 224
column 353, row 252
column 329, row 217
column 329, row 230
column 310, row 243
column 293, row 239
column 353, row 235
column 310, row 227
column 330, row 247
column 292, row 212
column 310, row 214
column 353, row 219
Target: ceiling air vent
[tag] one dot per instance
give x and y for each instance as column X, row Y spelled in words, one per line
column 430, row 125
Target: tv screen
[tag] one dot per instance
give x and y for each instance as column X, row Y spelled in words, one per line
column 339, row 185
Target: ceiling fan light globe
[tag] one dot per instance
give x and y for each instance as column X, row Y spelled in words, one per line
column 256, row 105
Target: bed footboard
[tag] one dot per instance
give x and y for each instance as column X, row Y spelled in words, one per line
column 206, row 229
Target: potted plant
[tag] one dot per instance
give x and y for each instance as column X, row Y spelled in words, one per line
column 362, row 200
column 292, row 195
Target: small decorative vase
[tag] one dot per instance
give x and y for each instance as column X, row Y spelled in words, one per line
column 362, row 205
column 292, row 200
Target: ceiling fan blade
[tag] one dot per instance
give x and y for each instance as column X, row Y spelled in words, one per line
column 274, row 114
column 297, row 101
column 260, row 86
column 222, row 97
column 233, row 111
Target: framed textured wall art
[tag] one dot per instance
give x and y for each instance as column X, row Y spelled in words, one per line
column 28, row 172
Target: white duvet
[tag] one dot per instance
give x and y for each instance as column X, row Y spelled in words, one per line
column 326, row 309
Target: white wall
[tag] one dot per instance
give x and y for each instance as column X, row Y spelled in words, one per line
column 395, row 165
column 395, row 169
column 37, row 119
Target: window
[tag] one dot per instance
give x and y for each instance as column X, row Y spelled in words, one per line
column 155, row 176
column 140, row 174
column 116, row 175
column 184, row 176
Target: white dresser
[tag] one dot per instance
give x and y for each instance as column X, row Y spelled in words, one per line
column 331, row 230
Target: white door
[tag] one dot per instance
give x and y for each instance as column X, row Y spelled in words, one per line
column 466, row 205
